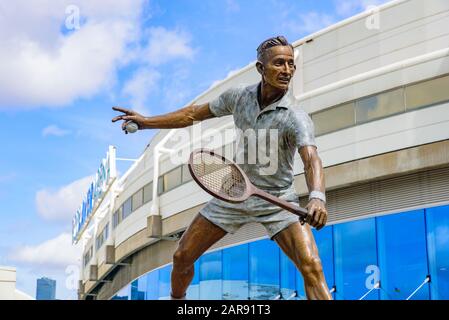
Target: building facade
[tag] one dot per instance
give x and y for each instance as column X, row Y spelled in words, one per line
column 45, row 289
column 377, row 88
column 8, row 290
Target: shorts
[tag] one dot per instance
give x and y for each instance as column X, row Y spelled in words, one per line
column 231, row 216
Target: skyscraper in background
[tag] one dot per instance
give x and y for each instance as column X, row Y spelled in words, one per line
column 45, row 289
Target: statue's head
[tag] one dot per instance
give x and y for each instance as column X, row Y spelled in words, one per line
column 276, row 62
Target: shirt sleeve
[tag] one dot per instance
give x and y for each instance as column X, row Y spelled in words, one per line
column 225, row 103
column 303, row 129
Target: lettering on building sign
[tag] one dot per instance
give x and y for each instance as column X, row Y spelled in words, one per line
column 104, row 177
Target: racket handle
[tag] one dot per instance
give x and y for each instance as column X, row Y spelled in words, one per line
column 281, row 203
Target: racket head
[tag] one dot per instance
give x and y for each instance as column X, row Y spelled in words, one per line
column 218, row 176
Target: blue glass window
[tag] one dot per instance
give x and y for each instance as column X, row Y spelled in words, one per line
column 300, row 289
column 138, row 288
column 264, row 270
column 193, row 291
column 123, row 294
column 164, row 282
column 210, row 276
column 127, row 208
column 235, row 273
column 402, row 255
column 324, row 243
column 438, row 246
column 152, row 290
column 355, row 256
column 287, row 277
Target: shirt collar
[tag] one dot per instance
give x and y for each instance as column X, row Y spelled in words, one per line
column 283, row 103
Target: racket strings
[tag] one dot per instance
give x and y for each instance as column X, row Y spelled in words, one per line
column 218, row 175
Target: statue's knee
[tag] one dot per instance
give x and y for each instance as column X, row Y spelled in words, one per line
column 312, row 268
column 181, row 259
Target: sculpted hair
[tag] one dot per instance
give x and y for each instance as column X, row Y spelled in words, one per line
column 269, row 43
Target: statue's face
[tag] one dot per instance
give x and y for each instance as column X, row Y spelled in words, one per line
column 279, row 66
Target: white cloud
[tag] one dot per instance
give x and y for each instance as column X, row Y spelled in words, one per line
column 310, row 22
column 179, row 89
column 230, row 74
column 61, row 204
column 47, row 65
column 166, row 45
column 53, row 130
column 351, row 7
column 42, row 66
column 54, row 253
column 139, row 87
column 162, row 47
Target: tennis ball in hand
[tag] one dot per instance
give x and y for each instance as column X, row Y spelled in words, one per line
column 132, row 127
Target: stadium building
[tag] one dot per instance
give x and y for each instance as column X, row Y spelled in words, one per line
column 8, row 290
column 377, row 88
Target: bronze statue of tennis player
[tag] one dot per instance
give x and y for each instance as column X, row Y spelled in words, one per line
column 268, row 104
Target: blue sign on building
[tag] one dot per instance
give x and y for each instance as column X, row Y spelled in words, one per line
column 103, row 179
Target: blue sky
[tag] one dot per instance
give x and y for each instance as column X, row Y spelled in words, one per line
column 59, row 81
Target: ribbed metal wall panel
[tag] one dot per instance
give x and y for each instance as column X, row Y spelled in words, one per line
column 378, row 197
column 389, row 195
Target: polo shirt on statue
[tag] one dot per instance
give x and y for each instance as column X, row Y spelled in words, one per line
column 268, row 138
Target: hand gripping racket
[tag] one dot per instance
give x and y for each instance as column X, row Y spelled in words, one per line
column 225, row 180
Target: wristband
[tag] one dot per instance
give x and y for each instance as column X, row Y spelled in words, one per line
column 317, row 195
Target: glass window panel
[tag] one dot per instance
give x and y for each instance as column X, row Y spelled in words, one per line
column 380, row 106
column 86, row 259
column 127, row 208
column 106, row 231
column 235, row 273
column 137, row 200
column 100, row 238
column 324, row 243
column 186, row 176
column 334, row 119
column 402, row 269
column 172, row 179
column 148, row 192
column 97, row 243
column 160, row 185
column 287, row 277
column 355, row 255
column 427, row 93
column 193, row 291
column 438, row 246
column 115, row 220
column 123, row 294
column 152, row 290
column 88, row 256
column 164, row 282
column 264, row 270
column 117, row 217
column 138, row 288
column 300, row 289
column 210, row 276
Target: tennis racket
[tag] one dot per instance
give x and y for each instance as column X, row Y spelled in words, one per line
column 225, row 180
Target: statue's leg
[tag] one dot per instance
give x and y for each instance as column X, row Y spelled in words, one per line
column 199, row 236
column 298, row 244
